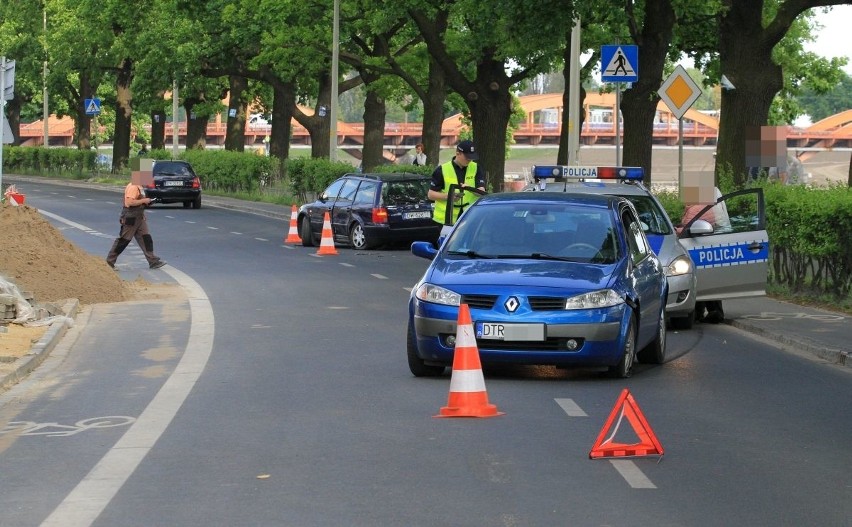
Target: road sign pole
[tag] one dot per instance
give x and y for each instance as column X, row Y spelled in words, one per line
column 680, row 158
column 617, row 114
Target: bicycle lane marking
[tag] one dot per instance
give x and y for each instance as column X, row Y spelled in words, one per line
column 92, row 495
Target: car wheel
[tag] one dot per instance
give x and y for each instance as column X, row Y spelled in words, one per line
column 358, row 238
column 655, row 352
column 305, row 232
column 196, row 203
column 418, row 366
column 683, row 322
column 624, row 368
column 187, row 204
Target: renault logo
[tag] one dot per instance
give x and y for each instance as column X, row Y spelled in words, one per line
column 512, row 304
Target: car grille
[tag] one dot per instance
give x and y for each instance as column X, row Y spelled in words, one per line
column 547, row 303
column 551, row 344
column 479, row 301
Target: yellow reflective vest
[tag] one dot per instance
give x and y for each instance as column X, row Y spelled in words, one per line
column 439, row 212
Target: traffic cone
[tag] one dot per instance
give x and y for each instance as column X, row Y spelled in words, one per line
column 327, row 243
column 648, row 444
column 468, row 397
column 293, row 235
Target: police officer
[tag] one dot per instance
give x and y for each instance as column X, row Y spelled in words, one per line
column 461, row 170
column 133, row 222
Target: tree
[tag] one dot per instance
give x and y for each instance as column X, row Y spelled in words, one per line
column 748, row 31
column 485, row 53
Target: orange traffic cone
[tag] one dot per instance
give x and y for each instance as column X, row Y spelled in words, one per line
column 293, row 235
column 327, row 244
column 648, row 444
column 468, row 397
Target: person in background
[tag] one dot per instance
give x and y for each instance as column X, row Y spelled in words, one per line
column 133, row 222
column 461, row 170
column 419, row 156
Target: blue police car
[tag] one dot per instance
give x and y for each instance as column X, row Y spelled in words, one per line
column 550, row 278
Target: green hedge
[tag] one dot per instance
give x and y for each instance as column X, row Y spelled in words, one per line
column 66, row 162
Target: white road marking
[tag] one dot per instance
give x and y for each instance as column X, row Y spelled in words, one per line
column 261, row 239
column 631, row 473
column 190, row 222
column 344, row 264
column 571, row 408
column 235, row 232
column 213, row 228
column 92, row 495
column 379, row 276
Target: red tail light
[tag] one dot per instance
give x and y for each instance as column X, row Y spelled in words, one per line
column 380, row 215
column 196, row 183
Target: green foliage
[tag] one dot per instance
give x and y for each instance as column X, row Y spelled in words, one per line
column 307, row 175
column 670, row 200
column 61, row 162
column 225, row 171
column 408, row 169
column 809, row 230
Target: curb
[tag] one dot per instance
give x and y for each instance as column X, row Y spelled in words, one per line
column 44, row 346
column 834, row 356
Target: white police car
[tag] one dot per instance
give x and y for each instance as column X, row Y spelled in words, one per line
column 709, row 260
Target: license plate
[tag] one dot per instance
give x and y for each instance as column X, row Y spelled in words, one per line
column 503, row 331
column 416, row 215
column 172, row 183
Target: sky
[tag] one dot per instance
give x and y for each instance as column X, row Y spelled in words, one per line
column 834, row 40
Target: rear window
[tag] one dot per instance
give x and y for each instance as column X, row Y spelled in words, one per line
column 166, row 168
column 405, row 192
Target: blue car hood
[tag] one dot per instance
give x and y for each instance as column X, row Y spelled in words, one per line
column 524, row 273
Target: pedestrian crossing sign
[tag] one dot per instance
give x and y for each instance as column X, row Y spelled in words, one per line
column 619, row 63
column 93, row 106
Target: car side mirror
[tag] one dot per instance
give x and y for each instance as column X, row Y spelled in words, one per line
column 701, row 227
column 424, row 250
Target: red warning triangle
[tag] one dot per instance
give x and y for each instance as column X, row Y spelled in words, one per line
column 648, row 444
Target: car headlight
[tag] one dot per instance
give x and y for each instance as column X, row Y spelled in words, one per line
column 679, row 266
column 595, row 299
column 438, row 295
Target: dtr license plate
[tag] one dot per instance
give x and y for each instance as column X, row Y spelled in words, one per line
column 503, row 331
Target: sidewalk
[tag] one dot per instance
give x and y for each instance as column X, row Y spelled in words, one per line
column 823, row 334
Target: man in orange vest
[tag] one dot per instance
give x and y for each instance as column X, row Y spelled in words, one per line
column 461, row 170
column 133, row 223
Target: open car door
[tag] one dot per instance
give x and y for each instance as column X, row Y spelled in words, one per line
column 729, row 245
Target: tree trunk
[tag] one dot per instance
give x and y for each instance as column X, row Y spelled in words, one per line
column 319, row 124
column 235, row 134
column 433, row 113
column 564, row 132
column 13, row 117
column 849, row 179
column 639, row 104
column 158, row 130
column 374, row 131
column 284, row 102
column 123, row 112
column 490, row 108
column 746, row 60
column 83, row 122
column 196, row 125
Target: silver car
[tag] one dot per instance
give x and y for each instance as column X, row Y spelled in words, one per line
column 686, row 259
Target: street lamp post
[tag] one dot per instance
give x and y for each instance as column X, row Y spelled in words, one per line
column 335, row 58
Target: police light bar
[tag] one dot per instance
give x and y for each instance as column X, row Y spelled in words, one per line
column 564, row 172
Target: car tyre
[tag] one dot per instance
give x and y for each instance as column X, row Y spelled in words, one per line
column 624, row 368
column 683, row 322
column 358, row 238
column 187, row 204
column 655, row 352
column 196, row 203
column 305, row 232
column 418, row 366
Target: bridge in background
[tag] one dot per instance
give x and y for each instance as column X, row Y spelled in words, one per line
column 542, row 126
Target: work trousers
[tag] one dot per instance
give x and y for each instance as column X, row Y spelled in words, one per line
column 133, row 228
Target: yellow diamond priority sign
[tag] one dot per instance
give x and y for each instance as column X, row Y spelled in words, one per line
column 679, row 92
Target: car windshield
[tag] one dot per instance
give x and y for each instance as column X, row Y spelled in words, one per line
column 653, row 219
column 535, row 231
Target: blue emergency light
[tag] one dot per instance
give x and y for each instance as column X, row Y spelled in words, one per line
column 565, row 172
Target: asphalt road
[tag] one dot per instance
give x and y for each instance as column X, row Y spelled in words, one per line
column 277, row 393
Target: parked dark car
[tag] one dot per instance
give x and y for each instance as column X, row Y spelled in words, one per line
column 368, row 210
column 175, row 182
